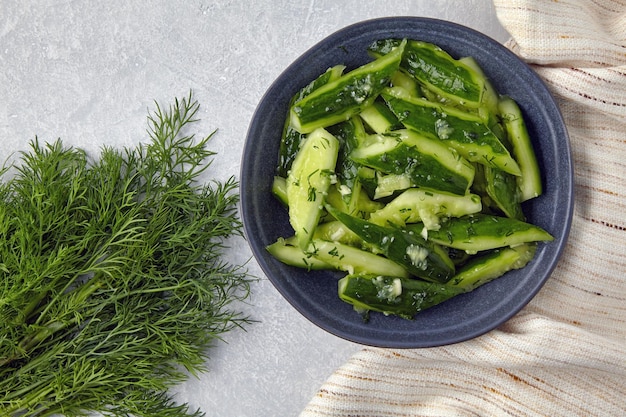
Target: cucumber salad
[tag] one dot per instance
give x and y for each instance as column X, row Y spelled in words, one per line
column 408, row 174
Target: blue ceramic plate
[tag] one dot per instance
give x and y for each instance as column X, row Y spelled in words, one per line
column 314, row 294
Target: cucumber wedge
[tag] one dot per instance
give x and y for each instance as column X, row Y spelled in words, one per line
column 279, row 189
column 479, row 232
column 407, row 297
column 488, row 109
column 388, row 185
column 483, row 269
column 308, row 182
column 350, row 134
column 288, row 252
column 291, row 138
column 529, row 181
column 416, row 204
column 465, row 132
column 428, row 162
column 339, row 100
column 503, row 190
column 437, row 70
column 420, row 257
column 353, row 260
column 335, row 231
column 392, row 295
column 380, row 118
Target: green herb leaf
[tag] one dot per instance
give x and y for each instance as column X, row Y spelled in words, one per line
column 112, row 280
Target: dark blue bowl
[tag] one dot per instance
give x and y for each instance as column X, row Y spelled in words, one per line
column 314, row 294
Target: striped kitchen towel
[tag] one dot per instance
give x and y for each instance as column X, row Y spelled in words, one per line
column 565, row 353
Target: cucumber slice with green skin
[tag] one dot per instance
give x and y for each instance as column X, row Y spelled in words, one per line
column 393, row 295
column 488, row 109
column 279, row 189
column 464, row 132
column 347, row 96
column 529, row 181
column 350, row 134
column 353, row 260
column 479, row 232
column 360, row 206
column 379, row 117
column 416, row 204
column 428, row 162
column 485, row 268
column 291, row 138
column 437, row 70
column 308, row 183
column 407, row 297
column 406, row 81
column 388, row 185
column 379, row 186
column 369, row 181
column 287, row 252
column 335, row 231
column 420, row 257
column 503, row 190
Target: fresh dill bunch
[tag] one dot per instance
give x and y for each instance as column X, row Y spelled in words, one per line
column 112, row 279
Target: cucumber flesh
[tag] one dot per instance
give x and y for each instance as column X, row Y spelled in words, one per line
column 388, row 185
column 335, row 231
column 483, row 269
column 279, row 189
column 416, row 204
column 291, row 138
column 288, row 252
column 308, row 183
column 420, row 257
column 380, row 118
column 529, row 180
column 353, row 260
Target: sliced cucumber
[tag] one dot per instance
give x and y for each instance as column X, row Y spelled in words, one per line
column 353, row 260
column 291, row 138
column 529, row 181
column 392, row 295
column 388, row 185
column 463, row 131
column 503, row 190
column 335, row 231
column 416, row 204
column 437, row 70
column 279, row 189
column 483, row 269
column 339, row 100
column 288, row 252
column 428, row 162
column 420, row 257
column 478, row 232
column 380, row 118
column 350, row 134
column 308, row 183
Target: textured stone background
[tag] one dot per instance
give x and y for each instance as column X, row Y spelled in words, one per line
column 88, row 72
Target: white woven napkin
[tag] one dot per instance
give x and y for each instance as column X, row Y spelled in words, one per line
column 565, row 353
